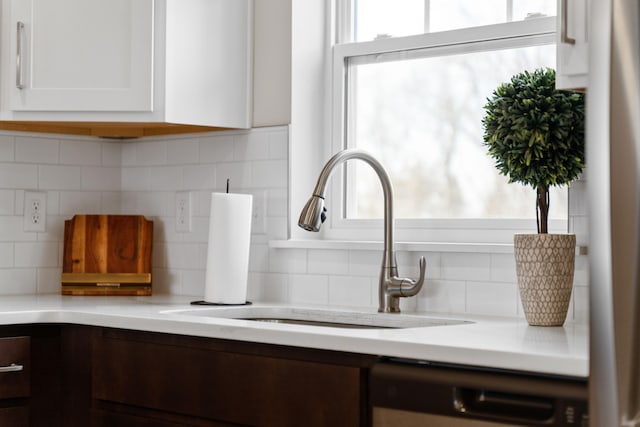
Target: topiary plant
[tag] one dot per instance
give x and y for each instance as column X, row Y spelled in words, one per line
column 535, row 134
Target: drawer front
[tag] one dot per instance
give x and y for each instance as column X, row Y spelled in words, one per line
column 227, row 387
column 14, row 367
column 15, row 416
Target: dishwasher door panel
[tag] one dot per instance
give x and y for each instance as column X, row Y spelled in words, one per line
column 385, row 417
column 408, row 393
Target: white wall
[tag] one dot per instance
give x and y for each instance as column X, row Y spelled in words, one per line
column 83, row 175
column 272, row 63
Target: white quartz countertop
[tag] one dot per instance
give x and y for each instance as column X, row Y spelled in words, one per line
column 492, row 342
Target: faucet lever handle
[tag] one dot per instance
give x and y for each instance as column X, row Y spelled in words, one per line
column 423, row 269
column 410, row 287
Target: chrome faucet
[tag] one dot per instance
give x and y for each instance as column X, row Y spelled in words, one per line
column 391, row 287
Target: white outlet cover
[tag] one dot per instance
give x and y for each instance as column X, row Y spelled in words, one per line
column 35, row 211
column 259, row 214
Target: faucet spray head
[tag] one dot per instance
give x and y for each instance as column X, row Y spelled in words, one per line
column 313, row 214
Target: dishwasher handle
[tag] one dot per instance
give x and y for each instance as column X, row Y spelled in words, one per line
column 503, row 406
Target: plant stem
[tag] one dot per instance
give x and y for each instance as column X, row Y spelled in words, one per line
column 542, row 209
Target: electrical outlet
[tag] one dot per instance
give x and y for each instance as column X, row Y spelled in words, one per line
column 183, row 211
column 35, row 211
column 259, row 212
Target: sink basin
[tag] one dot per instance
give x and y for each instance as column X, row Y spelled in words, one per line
column 319, row 318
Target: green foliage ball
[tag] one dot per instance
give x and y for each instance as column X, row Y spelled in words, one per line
column 534, row 132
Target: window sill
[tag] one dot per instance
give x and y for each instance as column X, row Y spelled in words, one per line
column 493, row 248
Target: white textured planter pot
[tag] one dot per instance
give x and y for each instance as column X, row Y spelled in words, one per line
column 544, row 266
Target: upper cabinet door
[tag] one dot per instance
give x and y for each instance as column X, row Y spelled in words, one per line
column 209, row 62
column 572, row 44
column 79, row 55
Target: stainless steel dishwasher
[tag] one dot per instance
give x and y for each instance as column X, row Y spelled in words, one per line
column 411, row 393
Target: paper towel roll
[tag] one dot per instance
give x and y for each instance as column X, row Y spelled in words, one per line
column 228, row 249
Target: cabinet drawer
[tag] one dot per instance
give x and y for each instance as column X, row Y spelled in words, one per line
column 224, row 386
column 14, row 367
column 14, row 416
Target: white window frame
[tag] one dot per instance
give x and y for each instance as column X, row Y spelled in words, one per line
column 490, row 37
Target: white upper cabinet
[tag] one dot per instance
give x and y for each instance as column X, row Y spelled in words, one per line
column 572, row 44
column 173, row 61
column 82, row 55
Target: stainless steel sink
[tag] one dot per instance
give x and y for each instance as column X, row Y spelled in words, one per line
column 319, row 318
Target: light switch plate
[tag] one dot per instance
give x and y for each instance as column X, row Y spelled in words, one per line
column 183, row 211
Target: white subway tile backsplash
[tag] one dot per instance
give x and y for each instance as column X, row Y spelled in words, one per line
column 83, row 153
column 268, row 287
column 18, row 176
column 7, row 202
column 351, row 291
column 503, row 268
column 278, row 145
column 80, row 202
column 36, row 254
column 193, row 283
column 442, row 296
column 199, row 230
column 277, row 228
column 111, row 203
column 147, row 203
column 200, row 177
column 111, row 154
column 54, row 229
column 6, row 255
column 166, row 178
column 165, row 281
column 277, row 204
column 135, row 179
column 183, row 256
column 465, row 266
column 308, row 289
column 151, row 153
column 328, row 262
column 128, row 153
column 251, row 146
column 270, row 174
column 365, row 263
column 49, row 280
column 17, row 281
column 37, row 150
column 183, row 152
column 97, row 178
column 498, row 299
column 56, row 177
column 12, row 230
column 288, row 261
column 258, row 258
column 53, row 203
column 200, row 203
column 7, row 148
column 216, row 149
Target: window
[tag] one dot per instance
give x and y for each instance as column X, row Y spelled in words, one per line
column 410, row 80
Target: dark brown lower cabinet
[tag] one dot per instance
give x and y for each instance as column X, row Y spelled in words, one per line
column 143, row 379
column 31, row 389
column 83, row 376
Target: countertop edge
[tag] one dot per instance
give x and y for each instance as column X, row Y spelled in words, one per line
column 506, row 344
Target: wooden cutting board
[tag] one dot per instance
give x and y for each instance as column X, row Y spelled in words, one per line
column 107, row 255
